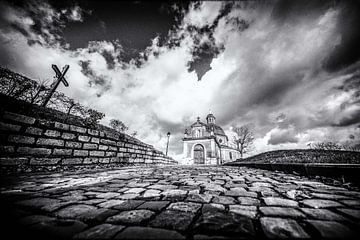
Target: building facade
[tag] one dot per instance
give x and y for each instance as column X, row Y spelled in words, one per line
column 207, row 143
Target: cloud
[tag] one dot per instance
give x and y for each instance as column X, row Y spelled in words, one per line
column 258, row 63
column 278, row 136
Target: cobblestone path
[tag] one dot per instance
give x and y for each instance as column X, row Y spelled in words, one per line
column 178, row 202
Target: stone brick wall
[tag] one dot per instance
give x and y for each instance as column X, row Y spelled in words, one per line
column 305, row 156
column 30, row 142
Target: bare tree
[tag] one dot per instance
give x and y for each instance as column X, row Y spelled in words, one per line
column 118, row 125
column 243, row 139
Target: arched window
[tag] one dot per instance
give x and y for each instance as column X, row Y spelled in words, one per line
column 198, row 133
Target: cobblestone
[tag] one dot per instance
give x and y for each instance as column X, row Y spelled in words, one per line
column 192, row 202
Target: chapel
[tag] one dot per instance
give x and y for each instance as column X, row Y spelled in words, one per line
column 207, row 143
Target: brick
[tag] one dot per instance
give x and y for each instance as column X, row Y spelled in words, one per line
column 34, row 151
column 19, row 118
column 9, row 127
column 83, row 138
column 50, row 142
column 90, row 146
column 52, row 133
column 61, row 126
column 62, row 152
column 113, row 148
column 110, row 154
column 77, row 129
column 44, row 123
column 90, row 160
column 9, row 161
column 7, row 149
column 71, row 161
column 120, row 154
column 73, row 144
column 95, row 140
column 97, row 153
column 21, row 139
column 107, row 142
column 34, row 131
column 103, row 147
column 115, row 160
column 44, row 161
column 282, row 228
column 104, row 160
column 81, row 152
column 68, row 136
column 93, row 132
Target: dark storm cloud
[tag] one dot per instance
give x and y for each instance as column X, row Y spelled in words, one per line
column 95, row 79
column 348, row 52
column 38, row 21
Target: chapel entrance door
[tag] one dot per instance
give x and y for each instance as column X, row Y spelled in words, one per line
column 199, row 154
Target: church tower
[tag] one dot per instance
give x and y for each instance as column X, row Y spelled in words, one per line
column 210, row 118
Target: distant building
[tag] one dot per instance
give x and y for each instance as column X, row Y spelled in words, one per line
column 207, row 143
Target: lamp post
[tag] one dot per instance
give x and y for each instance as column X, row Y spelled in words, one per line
column 167, row 145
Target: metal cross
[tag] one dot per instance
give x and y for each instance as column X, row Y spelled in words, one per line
column 60, row 78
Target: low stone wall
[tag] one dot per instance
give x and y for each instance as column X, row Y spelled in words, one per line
column 29, row 142
column 304, row 156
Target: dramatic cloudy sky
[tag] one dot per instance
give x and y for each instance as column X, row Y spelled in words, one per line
column 288, row 68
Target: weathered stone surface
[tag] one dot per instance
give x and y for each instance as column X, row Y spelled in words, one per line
column 248, row 211
column 131, row 217
column 323, row 214
column 128, row 205
column 201, row 198
column 184, row 206
column 52, row 133
column 38, row 202
column 19, row 118
column 9, row 127
column 21, row 139
column 34, row 131
column 75, row 211
column 154, row 205
column 34, row 151
column 111, row 203
column 355, row 213
column 152, row 193
column 108, row 195
column 176, row 220
column 320, row 203
column 282, row 228
column 148, row 233
column 281, row 212
column 102, row 231
column 216, row 221
column 248, row 201
column 274, row 201
column 223, row 200
column 330, row 229
column 59, row 228
column 50, row 142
